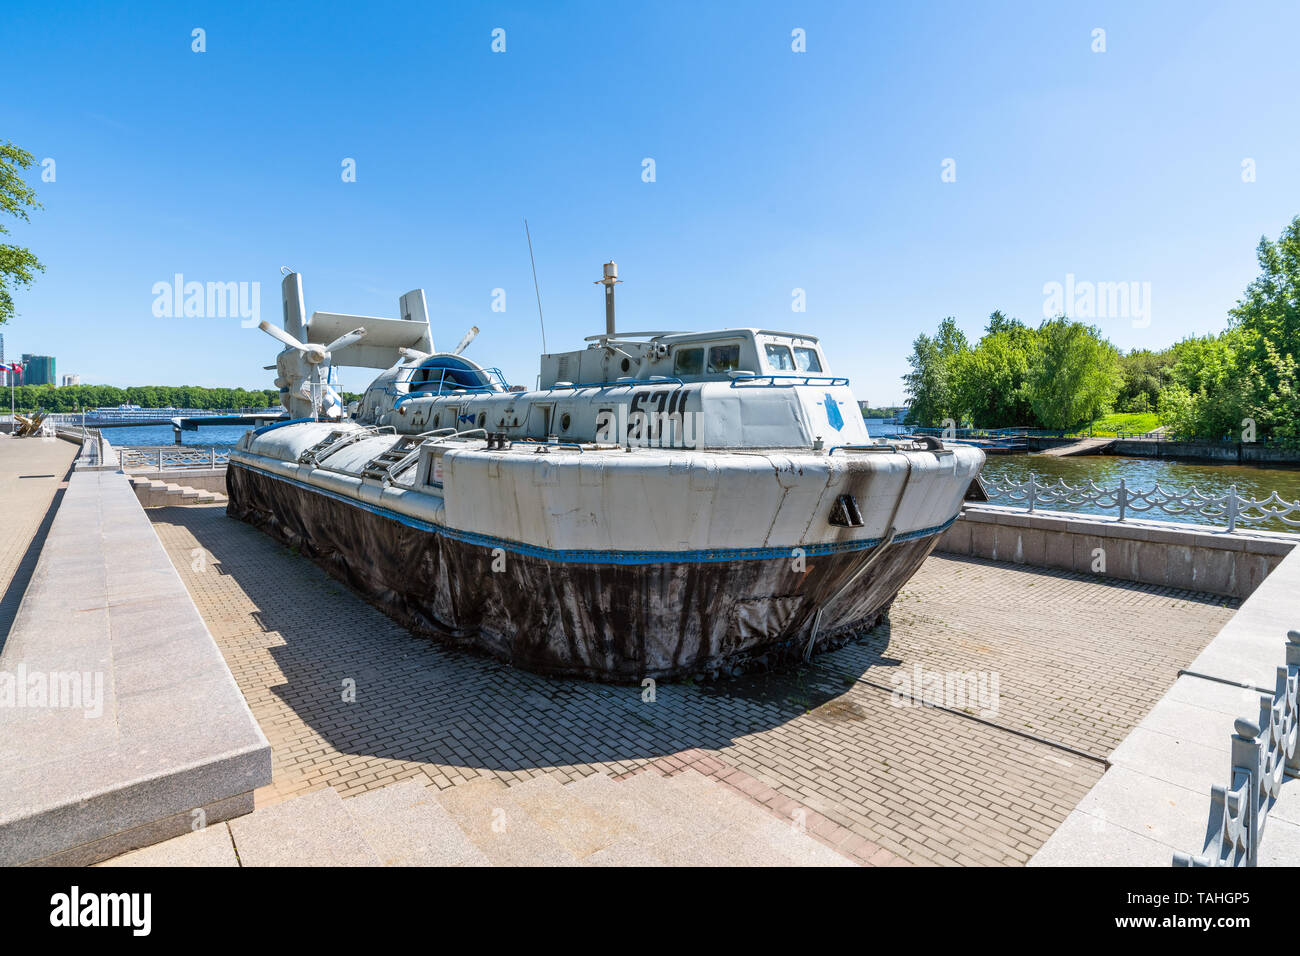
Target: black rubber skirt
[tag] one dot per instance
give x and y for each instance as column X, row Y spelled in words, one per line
column 602, row 619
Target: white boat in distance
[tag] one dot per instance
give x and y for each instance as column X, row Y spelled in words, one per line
column 663, row 504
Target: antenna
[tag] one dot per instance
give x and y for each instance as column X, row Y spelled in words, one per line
column 536, row 288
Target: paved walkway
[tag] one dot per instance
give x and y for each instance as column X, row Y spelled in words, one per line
column 349, row 699
column 1086, row 446
column 32, row 472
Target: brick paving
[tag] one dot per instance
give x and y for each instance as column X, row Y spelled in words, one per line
column 349, row 699
column 32, row 471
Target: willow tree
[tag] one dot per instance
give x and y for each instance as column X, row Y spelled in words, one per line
column 1075, row 375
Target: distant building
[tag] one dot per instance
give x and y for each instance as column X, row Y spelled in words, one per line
column 69, row 379
column 39, row 370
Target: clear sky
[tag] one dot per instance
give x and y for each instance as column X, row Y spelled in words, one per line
column 774, row 170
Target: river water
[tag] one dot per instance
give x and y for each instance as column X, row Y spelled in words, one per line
column 208, row 436
column 1143, row 474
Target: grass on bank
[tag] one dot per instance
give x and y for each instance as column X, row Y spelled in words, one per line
column 1128, row 422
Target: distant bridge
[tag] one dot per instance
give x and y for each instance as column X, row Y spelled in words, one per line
column 138, row 417
column 180, row 419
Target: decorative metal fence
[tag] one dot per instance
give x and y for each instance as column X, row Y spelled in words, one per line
column 160, row 457
column 1264, row 753
column 1232, row 507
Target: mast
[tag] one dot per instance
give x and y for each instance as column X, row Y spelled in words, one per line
column 609, row 281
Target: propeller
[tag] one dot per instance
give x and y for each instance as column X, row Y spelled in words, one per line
column 464, row 343
column 415, row 355
column 313, row 354
column 278, row 333
column 346, row 339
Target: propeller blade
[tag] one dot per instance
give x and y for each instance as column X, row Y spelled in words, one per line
column 280, row 334
column 414, row 355
column 464, row 343
column 346, row 339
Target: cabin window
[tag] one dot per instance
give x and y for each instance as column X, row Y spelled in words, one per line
column 807, row 360
column 688, row 362
column 724, row 358
column 778, row 357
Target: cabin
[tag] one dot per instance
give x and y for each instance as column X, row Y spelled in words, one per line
column 716, row 356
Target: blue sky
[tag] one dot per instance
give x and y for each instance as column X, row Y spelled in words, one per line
column 774, row 170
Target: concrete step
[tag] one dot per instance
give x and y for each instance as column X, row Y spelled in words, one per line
column 625, row 853
column 700, row 832
column 579, row 827
column 753, row 836
column 487, row 813
column 623, row 800
column 406, row 825
column 739, row 841
column 312, row 830
column 154, row 493
column 211, row 846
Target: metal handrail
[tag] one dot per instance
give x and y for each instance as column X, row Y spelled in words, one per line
column 656, row 380
column 834, row 448
column 1232, row 506
column 496, row 383
column 548, row 444
column 771, row 380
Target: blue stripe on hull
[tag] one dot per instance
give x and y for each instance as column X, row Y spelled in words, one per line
column 604, row 556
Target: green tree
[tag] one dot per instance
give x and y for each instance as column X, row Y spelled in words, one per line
column 1220, row 384
column 1144, row 373
column 17, row 265
column 1075, row 375
column 991, row 381
column 1268, row 318
column 930, row 383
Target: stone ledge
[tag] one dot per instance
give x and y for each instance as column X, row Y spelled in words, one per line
column 1154, row 801
column 171, row 731
column 1190, row 557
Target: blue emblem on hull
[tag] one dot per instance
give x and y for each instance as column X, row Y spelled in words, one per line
column 833, row 413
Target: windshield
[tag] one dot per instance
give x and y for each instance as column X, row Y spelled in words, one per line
column 807, row 360
column 778, row 357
